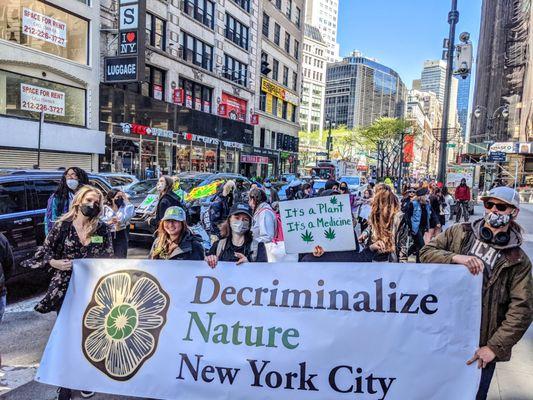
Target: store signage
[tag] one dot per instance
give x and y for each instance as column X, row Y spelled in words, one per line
column 39, row 99
column 128, row 42
column 158, row 92
column 146, row 130
column 45, row 28
column 235, row 107
column 524, row 148
column 128, row 17
column 497, row 156
column 254, row 119
column 177, row 96
column 210, row 140
column 207, row 106
column 120, row 69
column 222, row 110
column 505, row 147
column 246, row 158
column 279, row 92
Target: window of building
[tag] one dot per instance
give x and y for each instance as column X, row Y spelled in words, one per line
column 295, row 81
column 66, row 35
column 285, row 76
column 278, row 4
column 244, row 4
column 262, row 101
column 296, row 49
column 274, row 106
column 287, row 42
column 298, row 17
column 236, row 31
column 262, row 137
column 200, row 10
column 154, row 83
column 196, row 96
column 272, row 140
column 275, row 69
column 155, row 31
column 266, row 24
column 284, row 110
column 288, row 12
column 277, row 33
column 25, row 96
column 195, row 51
column 235, row 70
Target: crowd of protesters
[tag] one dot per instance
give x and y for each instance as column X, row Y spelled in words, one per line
column 238, row 225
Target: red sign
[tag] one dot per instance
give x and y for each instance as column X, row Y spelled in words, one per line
column 362, row 168
column 177, row 96
column 245, row 158
column 254, row 119
column 408, row 149
column 222, row 110
column 235, row 107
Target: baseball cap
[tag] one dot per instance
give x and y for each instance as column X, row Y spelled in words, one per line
column 174, row 214
column 241, row 208
column 422, row 191
column 505, row 194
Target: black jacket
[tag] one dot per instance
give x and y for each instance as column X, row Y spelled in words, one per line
column 190, row 248
column 7, row 263
column 169, row 199
column 228, row 253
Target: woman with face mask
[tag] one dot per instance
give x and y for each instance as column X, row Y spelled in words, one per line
column 175, row 241
column 59, row 202
column 118, row 212
column 78, row 234
column 237, row 244
column 167, row 198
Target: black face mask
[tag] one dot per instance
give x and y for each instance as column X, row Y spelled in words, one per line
column 119, row 202
column 90, row 211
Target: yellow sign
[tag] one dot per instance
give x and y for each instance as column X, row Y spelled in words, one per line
column 290, row 110
column 269, row 103
column 280, row 108
column 272, row 88
column 203, row 191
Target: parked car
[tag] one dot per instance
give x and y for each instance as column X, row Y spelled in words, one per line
column 318, row 184
column 141, row 231
column 140, row 187
column 24, row 196
column 119, row 181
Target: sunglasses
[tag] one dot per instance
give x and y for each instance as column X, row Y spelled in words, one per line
column 489, row 205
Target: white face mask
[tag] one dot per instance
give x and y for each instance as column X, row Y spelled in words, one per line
column 72, row 184
column 240, row 227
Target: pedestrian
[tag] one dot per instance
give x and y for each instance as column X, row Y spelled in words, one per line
column 418, row 216
column 219, row 209
column 272, row 194
column 387, row 231
column 492, row 246
column 7, row 266
column 237, row 243
column 435, row 201
column 167, row 198
column 462, row 198
column 365, row 209
column 175, row 241
column 449, row 202
column 59, row 202
column 343, row 187
column 307, row 191
column 78, row 234
column 118, row 212
column 264, row 218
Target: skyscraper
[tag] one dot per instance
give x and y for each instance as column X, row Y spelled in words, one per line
column 463, row 98
column 324, row 15
column 360, row 90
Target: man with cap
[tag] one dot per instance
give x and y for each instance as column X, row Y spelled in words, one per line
column 491, row 246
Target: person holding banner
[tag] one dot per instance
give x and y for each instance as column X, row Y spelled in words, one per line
column 237, row 243
column 175, row 241
column 491, row 246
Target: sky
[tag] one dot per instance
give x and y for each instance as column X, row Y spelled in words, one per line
column 402, row 34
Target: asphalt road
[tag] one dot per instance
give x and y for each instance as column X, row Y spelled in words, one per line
column 23, row 336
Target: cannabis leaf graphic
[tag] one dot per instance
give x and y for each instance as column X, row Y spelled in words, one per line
column 333, row 200
column 329, row 234
column 307, row 237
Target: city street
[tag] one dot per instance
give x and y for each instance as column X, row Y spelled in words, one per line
column 24, row 334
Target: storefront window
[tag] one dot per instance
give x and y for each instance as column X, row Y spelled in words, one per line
column 197, row 96
column 43, row 27
column 24, row 96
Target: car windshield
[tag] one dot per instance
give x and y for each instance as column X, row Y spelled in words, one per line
column 351, row 180
column 115, row 181
column 142, row 186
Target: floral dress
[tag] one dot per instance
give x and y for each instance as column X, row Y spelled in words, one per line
column 63, row 243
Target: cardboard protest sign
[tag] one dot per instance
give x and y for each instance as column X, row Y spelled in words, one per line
column 320, row 221
column 147, row 202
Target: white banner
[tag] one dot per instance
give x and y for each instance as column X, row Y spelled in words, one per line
column 319, row 221
column 179, row 330
column 36, row 98
column 43, row 27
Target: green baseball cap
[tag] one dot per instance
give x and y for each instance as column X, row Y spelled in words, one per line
column 174, row 214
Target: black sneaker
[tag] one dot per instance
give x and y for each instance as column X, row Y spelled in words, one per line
column 64, row 394
column 86, row 395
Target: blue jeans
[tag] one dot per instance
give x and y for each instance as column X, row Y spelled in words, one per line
column 3, row 302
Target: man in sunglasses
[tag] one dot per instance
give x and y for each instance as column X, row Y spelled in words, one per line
column 491, row 246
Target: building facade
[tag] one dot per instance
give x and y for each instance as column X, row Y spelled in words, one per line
column 463, row 103
column 313, row 81
column 192, row 107
column 360, row 90
column 280, row 71
column 324, row 15
column 49, row 71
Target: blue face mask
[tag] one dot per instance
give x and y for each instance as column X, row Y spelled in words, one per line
column 268, row 185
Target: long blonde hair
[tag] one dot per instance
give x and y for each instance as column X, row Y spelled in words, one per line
column 163, row 241
column 385, row 205
column 72, row 213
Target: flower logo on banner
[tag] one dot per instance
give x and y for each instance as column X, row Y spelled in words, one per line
column 122, row 323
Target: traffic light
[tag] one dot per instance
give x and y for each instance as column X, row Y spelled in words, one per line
column 265, row 67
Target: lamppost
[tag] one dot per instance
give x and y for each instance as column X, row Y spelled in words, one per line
column 328, row 141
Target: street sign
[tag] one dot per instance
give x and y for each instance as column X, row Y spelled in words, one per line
column 128, row 17
column 451, row 145
column 497, row 156
column 128, row 42
column 120, row 69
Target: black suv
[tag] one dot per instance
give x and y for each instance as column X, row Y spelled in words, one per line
column 23, row 199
